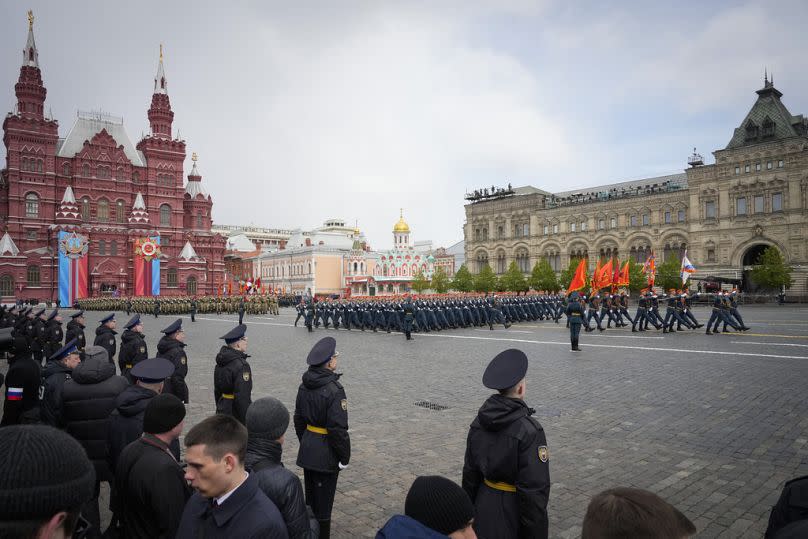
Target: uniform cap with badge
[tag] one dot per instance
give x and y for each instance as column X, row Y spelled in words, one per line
column 507, row 369
column 153, row 370
column 66, row 350
column 173, row 328
column 108, row 318
column 77, row 314
column 235, row 334
column 134, row 321
column 322, row 351
column 53, row 315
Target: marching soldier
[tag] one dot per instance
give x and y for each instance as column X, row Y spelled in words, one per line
column 105, row 336
column 321, row 425
column 241, row 311
column 506, row 471
column 575, row 317
column 75, row 330
column 409, row 314
column 232, row 377
column 133, row 347
column 193, row 309
column 172, row 348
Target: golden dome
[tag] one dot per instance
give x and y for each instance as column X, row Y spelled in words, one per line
column 402, row 225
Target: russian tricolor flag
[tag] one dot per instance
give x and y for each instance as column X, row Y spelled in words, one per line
column 14, row 394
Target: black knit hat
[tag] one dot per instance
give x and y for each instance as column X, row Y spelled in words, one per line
column 43, row 471
column 439, row 504
column 267, row 418
column 163, row 413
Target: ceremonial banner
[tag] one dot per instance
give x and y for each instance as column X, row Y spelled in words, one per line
column 687, row 268
column 579, row 279
column 147, row 266
column 649, row 269
column 72, row 267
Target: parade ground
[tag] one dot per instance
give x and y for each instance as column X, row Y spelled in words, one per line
column 713, row 424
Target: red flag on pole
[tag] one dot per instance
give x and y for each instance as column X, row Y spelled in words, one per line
column 579, row 279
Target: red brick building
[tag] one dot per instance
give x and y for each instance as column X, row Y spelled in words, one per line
column 96, row 183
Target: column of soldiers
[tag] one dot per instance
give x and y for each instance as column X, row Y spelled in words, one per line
column 178, row 305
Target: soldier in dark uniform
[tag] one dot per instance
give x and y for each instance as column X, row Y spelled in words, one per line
column 172, row 348
column 194, row 306
column 506, row 471
column 105, row 336
column 575, row 316
column 409, row 314
column 58, row 370
column 321, row 425
column 36, row 336
column 133, row 347
column 23, row 379
column 232, row 377
column 309, row 319
column 75, row 330
column 300, row 311
column 156, row 307
column 128, row 305
column 53, row 333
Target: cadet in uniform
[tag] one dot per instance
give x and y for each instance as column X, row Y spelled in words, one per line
column 232, row 377
column 409, row 313
column 321, row 425
column 193, row 309
column 105, row 336
column 53, row 333
column 506, row 471
column 133, row 347
column 75, row 330
column 172, row 348
column 575, row 316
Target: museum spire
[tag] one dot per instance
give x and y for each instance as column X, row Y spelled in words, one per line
column 29, row 89
column 160, row 114
column 30, row 56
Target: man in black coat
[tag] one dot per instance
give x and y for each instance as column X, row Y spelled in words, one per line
column 232, row 377
column 36, row 335
column 22, row 346
column 75, row 330
column 23, row 379
column 150, row 488
column 133, row 346
column 53, row 333
column 88, row 399
column 105, row 336
column 126, row 421
column 227, row 502
column 506, row 472
column 267, row 421
column 172, row 348
column 57, row 372
column 321, row 425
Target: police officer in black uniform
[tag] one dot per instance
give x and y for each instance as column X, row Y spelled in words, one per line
column 232, row 377
column 133, row 347
column 36, row 337
column 75, row 330
column 105, row 336
column 172, row 348
column 506, row 471
column 321, row 425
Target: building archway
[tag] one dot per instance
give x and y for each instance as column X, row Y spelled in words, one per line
column 750, row 258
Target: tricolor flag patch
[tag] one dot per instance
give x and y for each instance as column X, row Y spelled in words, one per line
column 14, row 394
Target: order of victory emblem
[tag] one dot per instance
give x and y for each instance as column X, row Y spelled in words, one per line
column 147, row 248
column 74, row 245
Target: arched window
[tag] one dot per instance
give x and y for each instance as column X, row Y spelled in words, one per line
column 309, row 268
column 500, row 262
column 102, row 247
column 102, row 210
column 190, row 285
column 85, row 170
column 523, row 261
column 39, row 165
column 135, row 177
column 6, row 285
column 24, row 163
column 165, row 215
column 171, row 277
column 113, row 248
column 85, row 209
column 198, row 220
column 355, row 267
column 102, row 172
column 119, row 173
column 33, row 276
column 31, row 205
column 482, row 261
column 120, row 213
column 66, row 169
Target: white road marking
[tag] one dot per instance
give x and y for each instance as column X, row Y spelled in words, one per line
column 771, row 343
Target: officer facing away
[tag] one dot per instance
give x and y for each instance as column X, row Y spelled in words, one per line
column 506, row 471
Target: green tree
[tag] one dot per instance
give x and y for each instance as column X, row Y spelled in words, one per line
column 513, row 280
column 501, row 284
column 440, row 282
column 637, row 279
column 566, row 275
column 543, row 277
column 668, row 274
column 463, row 280
column 420, row 282
column 771, row 271
column 486, row 280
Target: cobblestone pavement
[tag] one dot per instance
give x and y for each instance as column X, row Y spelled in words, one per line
column 713, row 424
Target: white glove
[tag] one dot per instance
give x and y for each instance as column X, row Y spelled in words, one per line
column 342, row 466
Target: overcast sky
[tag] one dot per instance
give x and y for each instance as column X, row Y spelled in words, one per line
column 303, row 111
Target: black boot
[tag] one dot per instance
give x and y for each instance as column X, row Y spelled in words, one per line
column 325, row 529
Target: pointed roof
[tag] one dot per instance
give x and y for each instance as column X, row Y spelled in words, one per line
column 30, row 56
column 139, row 204
column 160, row 82
column 90, row 123
column 194, row 185
column 139, row 214
column 768, row 120
column 68, row 197
column 188, row 252
column 7, row 246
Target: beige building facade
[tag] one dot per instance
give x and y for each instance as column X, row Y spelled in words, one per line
column 725, row 214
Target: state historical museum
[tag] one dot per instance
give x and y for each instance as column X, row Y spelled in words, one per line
column 92, row 213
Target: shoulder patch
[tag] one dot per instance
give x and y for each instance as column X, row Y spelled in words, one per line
column 112, row 342
column 183, row 360
column 344, row 404
column 142, row 349
column 544, row 454
column 246, row 376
